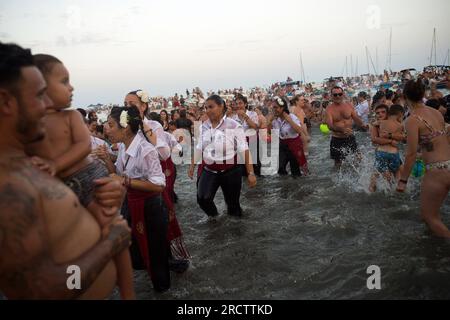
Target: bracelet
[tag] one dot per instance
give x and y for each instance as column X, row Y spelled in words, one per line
column 252, row 174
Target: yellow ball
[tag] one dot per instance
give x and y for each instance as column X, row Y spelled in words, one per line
column 324, row 128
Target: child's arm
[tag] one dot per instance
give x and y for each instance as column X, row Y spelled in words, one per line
column 81, row 143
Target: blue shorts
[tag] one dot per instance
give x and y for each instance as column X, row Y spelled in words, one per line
column 385, row 161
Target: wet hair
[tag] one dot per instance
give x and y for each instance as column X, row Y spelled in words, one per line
column 83, row 112
column 219, row 101
column 155, row 117
column 12, row 59
column 284, row 105
column 241, row 97
column 134, row 118
column 414, row 90
column 395, row 110
column 45, row 63
column 382, row 106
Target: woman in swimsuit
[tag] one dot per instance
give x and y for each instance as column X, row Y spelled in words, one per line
column 426, row 127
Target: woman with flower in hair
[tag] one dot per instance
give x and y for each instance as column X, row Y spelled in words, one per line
column 138, row 168
column 291, row 145
column 154, row 132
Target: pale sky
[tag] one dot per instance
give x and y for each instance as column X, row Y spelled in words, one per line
column 111, row 47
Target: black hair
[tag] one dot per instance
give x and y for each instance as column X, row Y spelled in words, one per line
column 377, row 97
column 135, row 93
column 433, row 103
column 91, row 113
column 389, row 94
column 83, row 112
column 12, row 59
column 155, row 117
column 100, row 128
column 134, row 118
column 362, row 94
column 172, row 123
column 239, row 96
column 45, row 63
column 219, row 101
column 382, row 106
column 284, row 105
column 396, row 110
column 183, row 113
column 414, row 90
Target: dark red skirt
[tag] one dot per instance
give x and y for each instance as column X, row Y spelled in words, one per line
column 296, row 147
column 136, row 203
column 174, row 233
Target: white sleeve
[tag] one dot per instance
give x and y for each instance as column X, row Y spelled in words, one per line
column 241, row 140
column 152, row 168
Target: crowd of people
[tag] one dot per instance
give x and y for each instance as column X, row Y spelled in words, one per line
column 101, row 195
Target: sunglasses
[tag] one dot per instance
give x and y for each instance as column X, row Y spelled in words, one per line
column 337, row 95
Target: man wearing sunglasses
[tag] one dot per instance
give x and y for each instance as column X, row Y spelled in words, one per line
column 340, row 116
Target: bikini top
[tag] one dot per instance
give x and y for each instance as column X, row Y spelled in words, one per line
column 426, row 138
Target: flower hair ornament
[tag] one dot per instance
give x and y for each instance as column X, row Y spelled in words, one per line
column 143, row 96
column 124, row 119
column 279, row 101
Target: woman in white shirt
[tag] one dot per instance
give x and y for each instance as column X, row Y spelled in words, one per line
column 250, row 122
column 154, row 132
column 220, row 142
column 291, row 145
column 139, row 169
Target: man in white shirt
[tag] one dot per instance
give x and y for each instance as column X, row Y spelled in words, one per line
column 362, row 109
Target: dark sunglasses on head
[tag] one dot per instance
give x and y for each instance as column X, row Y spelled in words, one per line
column 338, row 94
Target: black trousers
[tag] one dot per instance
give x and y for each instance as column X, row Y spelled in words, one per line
column 285, row 156
column 156, row 224
column 231, row 183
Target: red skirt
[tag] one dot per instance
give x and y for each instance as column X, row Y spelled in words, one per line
column 136, row 202
column 296, row 147
column 174, row 233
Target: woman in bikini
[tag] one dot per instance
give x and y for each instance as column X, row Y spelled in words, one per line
column 426, row 128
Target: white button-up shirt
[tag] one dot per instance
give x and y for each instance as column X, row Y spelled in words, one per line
column 362, row 110
column 286, row 130
column 223, row 142
column 252, row 115
column 140, row 161
column 161, row 145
